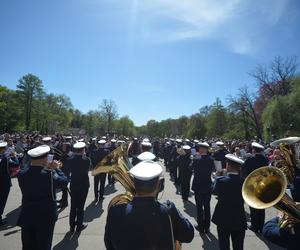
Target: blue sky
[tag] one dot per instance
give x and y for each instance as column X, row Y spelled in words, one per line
column 156, row 59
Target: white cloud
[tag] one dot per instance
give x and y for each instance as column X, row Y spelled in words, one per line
column 241, row 24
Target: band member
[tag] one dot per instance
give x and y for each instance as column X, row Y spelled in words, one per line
column 285, row 237
column 255, row 161
column 78, row 165
column 229, row 214
column 146, row 146
column 144, row 223
column 173, row 162
column 134, row 148
column 66, row 154
column 39, row 210
column 185, row 172
column 6, row 163
column 203, row 166
column 219, row 157
column 112, row 147
column 100, row 154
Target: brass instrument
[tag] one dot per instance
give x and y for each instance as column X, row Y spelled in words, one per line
column 119, row 169
column 265, row 187
column 289, row 149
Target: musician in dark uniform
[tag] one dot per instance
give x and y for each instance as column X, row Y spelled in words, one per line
column 284, row 237
column 145, row 223
column 66, row 149
column 100, row 178
column 253, row 162
column 79, row 165
column 229, row 214
column 146, row 146
column 5, row 181
column 112, row 147
column 219, row 155
column 39, row 210
column 185, row 172
column 173, row 162
column 203, row 166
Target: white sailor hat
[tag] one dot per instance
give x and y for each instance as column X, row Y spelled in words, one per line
column 113, row 140
column 146, row 140
column 233, row 158
column 146, row 156
column 220, row 143
column 3, row 144
column 203, row 144
column 257, row 145
column 186, row 147
column 146, row 144
column 102, row 141
column 79, row 145
column 146, row 170
column 81, row 140
column 46, row 139
column 39, row 152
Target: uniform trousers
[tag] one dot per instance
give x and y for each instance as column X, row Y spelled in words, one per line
column 257, row 218
column 37, row 237
column 237, row 238
column 203, row 210
column 99, row 178
column 78, row 197
column 4, row 191
column 185, row 186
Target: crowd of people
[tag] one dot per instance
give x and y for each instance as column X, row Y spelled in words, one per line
column 207, row 167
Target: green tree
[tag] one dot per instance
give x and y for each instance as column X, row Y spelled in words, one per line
column 108, row 110
column 29, row 87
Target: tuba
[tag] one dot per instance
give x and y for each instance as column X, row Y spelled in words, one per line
column 118, row 165
column 289, row 149
column 265, row 187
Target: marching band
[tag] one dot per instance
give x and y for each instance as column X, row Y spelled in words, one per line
column 46, row 164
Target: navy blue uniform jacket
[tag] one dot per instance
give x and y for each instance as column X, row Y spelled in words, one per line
column 5, row 165
column 144, row 224
column 38, row 195
column 229, row 212
column 203, row 167
column 254, row 162
column 78, row 166
column 282, row 236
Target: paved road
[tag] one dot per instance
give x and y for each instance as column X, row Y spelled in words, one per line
column 95, row 214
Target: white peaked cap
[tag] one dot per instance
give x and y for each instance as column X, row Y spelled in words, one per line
column 235, row 159
column 203, row 144
column 219, row 143
column 146, row 156
column 146, row 144
column 38, row 151
column 187, row 140
column 146, row 140
column 46, row 139
column 102, row 141
column 79, row 145
column 113, row 140
column 3, row 144
column 256, row 145
column 178, row 140
column 196, row 141
column 81, row 140
column 68, row 137
column 146, row 170
column 186, row 147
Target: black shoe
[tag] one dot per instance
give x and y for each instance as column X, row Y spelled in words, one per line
column 3, row 222
column 81, row 227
